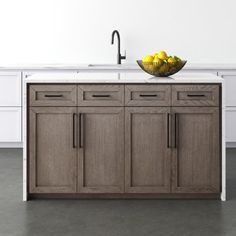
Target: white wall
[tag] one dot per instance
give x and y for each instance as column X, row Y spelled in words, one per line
column 79, row 31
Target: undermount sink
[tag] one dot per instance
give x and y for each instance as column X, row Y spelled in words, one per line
column 104, row 65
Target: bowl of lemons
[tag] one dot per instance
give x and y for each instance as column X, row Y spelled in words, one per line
column 161, row 65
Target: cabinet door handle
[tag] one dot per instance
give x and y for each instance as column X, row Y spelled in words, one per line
column 81, row 130
column 101, row 95
column 147, row 95
column 74, row 130
column 53, row 95
column 168, row 130
column 196, row 95
column 176, row 135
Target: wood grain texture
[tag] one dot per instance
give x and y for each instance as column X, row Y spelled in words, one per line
column 101, row 158
column 147, row 157
column 91, row 95
column 133, row 95
column 52, row 158
column 195, row 95
column 42, row 95
column 196, row 159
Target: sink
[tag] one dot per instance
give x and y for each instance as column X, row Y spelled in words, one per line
column 104, row 65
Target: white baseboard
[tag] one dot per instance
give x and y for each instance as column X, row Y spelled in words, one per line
column 230, row 144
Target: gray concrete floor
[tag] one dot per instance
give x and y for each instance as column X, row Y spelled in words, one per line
column 110, row 217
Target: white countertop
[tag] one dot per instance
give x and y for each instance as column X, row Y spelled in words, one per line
column 125, row 66
column 112, row 77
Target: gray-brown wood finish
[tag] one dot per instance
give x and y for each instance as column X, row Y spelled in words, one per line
column 101, row 150
column 147, row 95
column 52, row 158
column 53, row 95
column 196, row 157
column 195, row 95
column 147, row 156
column 101, row 95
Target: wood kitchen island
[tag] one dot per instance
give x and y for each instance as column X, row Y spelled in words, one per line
column 123, row 135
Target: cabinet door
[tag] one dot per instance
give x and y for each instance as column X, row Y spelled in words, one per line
column 52, row 150
column 147, row 153
column 196, row 159
column 230, row 118
column 10, row 124
column 101, row 150
column 10, row 89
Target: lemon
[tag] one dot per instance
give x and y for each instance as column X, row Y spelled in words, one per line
column 172, row 60
column 157, row 61
column 164, row 68
column 162, row 55
column 154, row 55
column 148, row 59
column 177, row 58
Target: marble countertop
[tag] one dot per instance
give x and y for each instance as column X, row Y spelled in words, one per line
column 125, row 66
column 127, row 78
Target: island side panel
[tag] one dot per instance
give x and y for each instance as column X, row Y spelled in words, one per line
column 223, row 144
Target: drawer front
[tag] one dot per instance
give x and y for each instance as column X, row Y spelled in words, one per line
column 53, row 95
column 148, row 95
column 10, row 89
column 10, row 124
column 100, row 95
column 195, row 95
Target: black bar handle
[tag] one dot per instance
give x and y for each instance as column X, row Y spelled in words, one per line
column 74, row 128
column 148, row 95
column 196, row 95
column 101, row 95
column 53, row 95
column 81, row 130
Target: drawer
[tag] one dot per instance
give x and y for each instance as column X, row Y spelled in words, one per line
column 101, row 95
column 10, row 89
column 195, row 95
column 10, row 124
column 53, row 95
column 148, row 95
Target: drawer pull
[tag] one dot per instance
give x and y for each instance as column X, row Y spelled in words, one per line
column 53, row 95
column 148, row 95
column 101, row 95
column 196, row 95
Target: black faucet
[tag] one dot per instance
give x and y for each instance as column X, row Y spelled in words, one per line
column 119, row 57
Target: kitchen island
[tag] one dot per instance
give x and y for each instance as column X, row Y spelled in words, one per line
column 123, row 135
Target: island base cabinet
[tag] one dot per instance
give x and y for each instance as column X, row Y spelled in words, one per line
column 132, row 150
column 147, row 154
column 52, row 154
column 101, row 150
column 196, row 150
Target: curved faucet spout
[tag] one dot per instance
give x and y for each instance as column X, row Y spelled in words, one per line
column 115, row 32
column 119, row 57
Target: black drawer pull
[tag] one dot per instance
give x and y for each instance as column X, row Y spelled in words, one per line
column 196, row 95
column 53, row 95
column 148, row 95
column 101, row 95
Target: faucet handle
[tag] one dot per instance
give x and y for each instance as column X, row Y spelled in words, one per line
column 123, row 57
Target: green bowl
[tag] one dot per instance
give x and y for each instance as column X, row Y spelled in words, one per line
column 164, row 70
